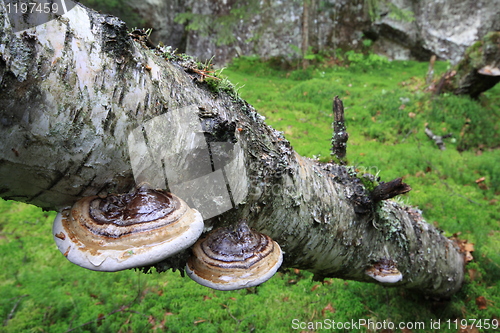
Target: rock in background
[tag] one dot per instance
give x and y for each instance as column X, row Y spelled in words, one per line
column 159, row 16
column 275, row 29
column 441, row 27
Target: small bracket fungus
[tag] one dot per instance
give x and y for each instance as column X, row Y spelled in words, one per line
column 489, row 71
column 234, row 258
column 118, row 232
column 385, row 271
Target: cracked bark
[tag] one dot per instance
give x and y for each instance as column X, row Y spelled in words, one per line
column 75, row 89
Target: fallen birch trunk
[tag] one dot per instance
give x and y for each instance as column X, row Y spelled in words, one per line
column 87, row 108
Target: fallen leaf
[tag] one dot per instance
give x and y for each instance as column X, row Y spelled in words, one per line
column 420, row 174
column 315, row 287
column 328, row 308
column 465, row 247
column 473, row 274
column 483, row 186
column 469, row 247
column 481, row 303
column 160, row 326
column 100, row 317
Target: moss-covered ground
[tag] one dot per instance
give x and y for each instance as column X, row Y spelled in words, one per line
column 387, row 109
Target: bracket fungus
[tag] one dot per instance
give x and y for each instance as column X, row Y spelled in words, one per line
column 385, row 271
column 124, row 231
column 489, row 71
column 234, row 258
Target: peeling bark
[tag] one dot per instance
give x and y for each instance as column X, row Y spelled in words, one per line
column 83, row 106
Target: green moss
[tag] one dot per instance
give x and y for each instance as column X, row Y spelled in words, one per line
column 476, row 53
column 61, row 296
column 221, row 84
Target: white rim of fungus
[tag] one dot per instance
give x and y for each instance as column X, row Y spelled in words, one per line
column 109, row 260
column 385, row 277
column 250, row 280
column 391, row 278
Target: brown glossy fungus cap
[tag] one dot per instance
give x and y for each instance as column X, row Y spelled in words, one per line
column 124, row 231
column 234, row 258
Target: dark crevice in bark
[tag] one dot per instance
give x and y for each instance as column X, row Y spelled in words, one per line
column 54, row 181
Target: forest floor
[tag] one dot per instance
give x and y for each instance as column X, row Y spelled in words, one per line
column 387, row 108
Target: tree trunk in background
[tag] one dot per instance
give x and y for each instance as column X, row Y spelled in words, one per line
column 305, row 32
column 87, row 109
